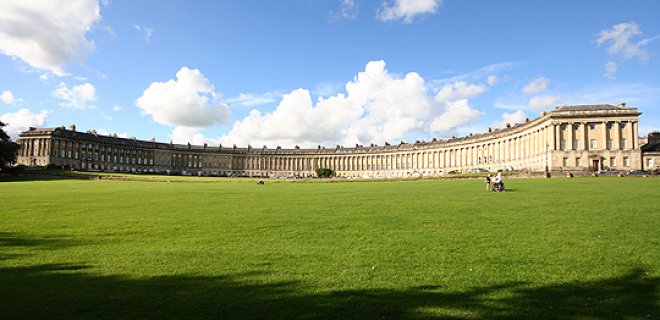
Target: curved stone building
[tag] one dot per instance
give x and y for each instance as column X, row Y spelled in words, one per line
column 566, row 139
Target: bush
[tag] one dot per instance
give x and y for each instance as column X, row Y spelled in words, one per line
column 324, row 172
column 14, row 170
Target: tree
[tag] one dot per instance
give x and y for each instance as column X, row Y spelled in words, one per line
column 8, row 149
column 324, row 172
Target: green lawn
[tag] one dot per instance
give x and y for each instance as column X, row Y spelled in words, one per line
column 582, row 248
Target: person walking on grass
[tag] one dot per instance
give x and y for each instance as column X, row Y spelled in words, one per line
column 487, row 182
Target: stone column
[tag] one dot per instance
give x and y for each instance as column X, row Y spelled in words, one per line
column 443, row 159
column 512, row 149
column 449, row 158
column 467, row 156
column 635, row 138
column 464, row 155
column 459, row 157
column 616, row 140
column 515, row 149
column 557, row 136
column 602, row 141
column 47, row 147
column 569, row 136
column 631, row 135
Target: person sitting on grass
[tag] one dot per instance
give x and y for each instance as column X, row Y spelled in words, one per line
column 498, row 184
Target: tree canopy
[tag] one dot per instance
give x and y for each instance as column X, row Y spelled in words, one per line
column 8, row 148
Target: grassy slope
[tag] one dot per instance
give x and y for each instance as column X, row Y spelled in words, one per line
column 562, row 248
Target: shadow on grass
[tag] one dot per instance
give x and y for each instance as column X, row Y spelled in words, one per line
column 9, row 239
column 68, row 291
column 44, row 175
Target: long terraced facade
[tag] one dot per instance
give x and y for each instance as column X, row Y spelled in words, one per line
column 566, row 139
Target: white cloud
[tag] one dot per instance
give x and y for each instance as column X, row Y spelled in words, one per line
column 111, row 32
column 348, row 9
column 619, row 39
column 479, row 74
column 21, row 120
column 377, row 106
column 117, row 108
column 47, row 34
column 105, row 132
column 77, row 97
column 510, row 118
column 492, row 80
column 183, row 135
column 407, row 10
column 459, row 90
column 326, row 89
column 537, row 85
column 633, row 94
column 190, row 101
column 7, row 97
column 543, row 102
column 458, row 113
column 251, row 100
column 148, row 32
column 610, row 70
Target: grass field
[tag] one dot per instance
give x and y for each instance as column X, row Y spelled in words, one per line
column 582, row 248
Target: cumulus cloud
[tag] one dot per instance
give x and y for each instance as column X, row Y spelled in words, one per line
column 326, row 89
column 537, row 85
column 543, row 102
column 47, row 34
column 191, row 135
column 457, row 113
column 459, row 90
column 619, row 38
column 610, row 70
column 510, row 118
column 77, row 97
column 377, row 106
column 348, row 9
column 21, row 120
column 189, row 100
column 406, row 10
column 7, row 97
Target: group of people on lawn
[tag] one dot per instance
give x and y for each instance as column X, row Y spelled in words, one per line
column 495, row 183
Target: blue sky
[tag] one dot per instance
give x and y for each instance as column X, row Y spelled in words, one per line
column 325, row 72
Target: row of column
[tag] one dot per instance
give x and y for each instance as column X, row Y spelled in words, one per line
column 520, row 149
column 612, row 135
column 527, row 146
column 34, row 147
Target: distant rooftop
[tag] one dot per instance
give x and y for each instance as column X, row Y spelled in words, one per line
column 591, row 107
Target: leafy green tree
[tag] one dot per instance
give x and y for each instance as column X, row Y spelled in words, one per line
column 324, row 172
column 8, row 149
